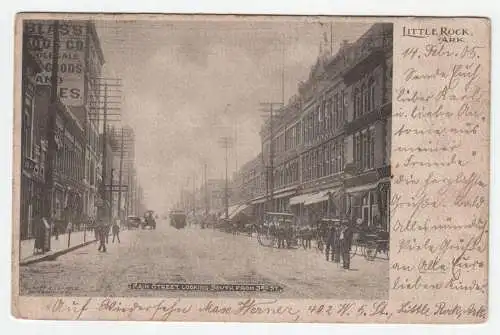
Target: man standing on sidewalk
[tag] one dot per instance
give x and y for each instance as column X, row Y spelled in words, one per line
column 330, row 247
column 54, row 225
column 345, row 244
column 107, row 228
column 116, row 230
column 101, row 232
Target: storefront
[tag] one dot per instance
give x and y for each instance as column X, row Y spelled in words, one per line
column 28, row 203
column 312, row 207
column 370, row 204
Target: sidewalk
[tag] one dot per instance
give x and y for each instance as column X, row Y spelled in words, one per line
column 57, row 247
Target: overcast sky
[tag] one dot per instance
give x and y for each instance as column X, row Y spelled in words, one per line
column 185, row 84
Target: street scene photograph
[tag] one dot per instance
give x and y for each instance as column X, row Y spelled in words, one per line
column 205, row 156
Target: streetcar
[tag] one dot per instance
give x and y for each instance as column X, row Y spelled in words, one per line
column 177, row 219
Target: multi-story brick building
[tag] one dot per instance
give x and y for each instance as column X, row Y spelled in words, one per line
column 341, row 117
column 32, row 151
column 76, row 153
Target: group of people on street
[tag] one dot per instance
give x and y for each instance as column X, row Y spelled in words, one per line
column 102, row 230
column 337, row 236
column 338, row 243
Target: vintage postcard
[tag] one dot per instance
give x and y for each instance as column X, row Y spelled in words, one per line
column 251, row 168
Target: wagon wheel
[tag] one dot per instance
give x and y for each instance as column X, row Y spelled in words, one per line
column 304, row 243
column 371, row 250
column 293, row 242
column 384, row 249
column 354, row 250
column 265, row 237
column 320, row 245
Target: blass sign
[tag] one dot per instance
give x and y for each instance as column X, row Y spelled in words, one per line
column 71, row 67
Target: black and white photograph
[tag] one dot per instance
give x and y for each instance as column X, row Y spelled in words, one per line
column 205, row 157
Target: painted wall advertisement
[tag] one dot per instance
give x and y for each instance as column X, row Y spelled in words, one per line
column 72, row 46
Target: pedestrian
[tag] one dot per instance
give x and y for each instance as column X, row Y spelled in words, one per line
column 116, row 230
column 107, row 228
column 330, row 243
column 345, row 238
column 55, row 226
column 39, row 236
column 101, row 229
column 280, row 229
column 95, row 227
column 307, row 236
column 69, row 230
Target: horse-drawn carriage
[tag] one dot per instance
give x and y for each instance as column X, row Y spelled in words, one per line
column 370, row 243
column 366, row 242
column 149, row 220
column 278, row 230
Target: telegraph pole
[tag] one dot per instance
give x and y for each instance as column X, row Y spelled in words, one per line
column 120, row 175
column 331, row 39
column 51, row 120
column 106, row 86
column 111, row 195
column 207, row 210
column 194, row 195
column 226, row 143
column 104, row 142
column 226, row 195
column 268, row 108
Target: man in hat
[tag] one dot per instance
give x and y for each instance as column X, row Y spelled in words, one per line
column 345, row 238
column 330, row 242
column 116, row 229
column 102, row 232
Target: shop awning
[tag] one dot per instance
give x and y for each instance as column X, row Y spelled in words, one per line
column 321, row 196
column 237, row 211
column 300, row 199
column 284, row 194
column 362, row 188
column 316, row 198
column 259, row 201
column 233, row 211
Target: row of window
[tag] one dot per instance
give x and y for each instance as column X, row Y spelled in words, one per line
column 364, row 98
column 328, row 116
column 364, row 149
column 323, row 161
column 69, row 159
column 287, row 174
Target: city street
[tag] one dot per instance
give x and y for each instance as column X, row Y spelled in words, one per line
column 193, row 255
